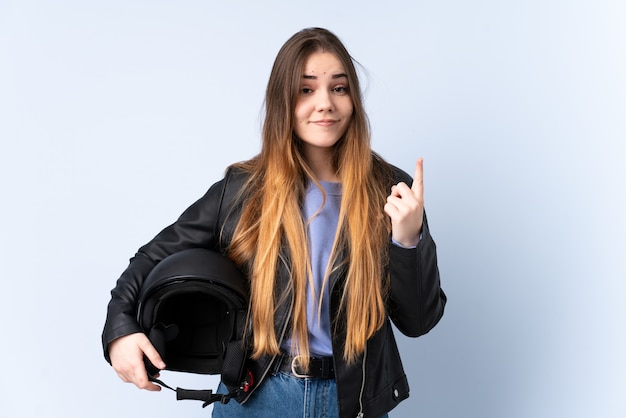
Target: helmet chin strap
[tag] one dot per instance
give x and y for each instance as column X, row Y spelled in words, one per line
column 235, row 355
column 207, row 396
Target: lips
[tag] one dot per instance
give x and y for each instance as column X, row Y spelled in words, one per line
column 324, row 122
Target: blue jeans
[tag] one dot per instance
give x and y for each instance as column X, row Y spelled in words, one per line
column 284, row 395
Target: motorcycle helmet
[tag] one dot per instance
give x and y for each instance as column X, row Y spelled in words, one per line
column 192, row 306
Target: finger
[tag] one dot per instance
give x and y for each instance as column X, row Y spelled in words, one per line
column 142, row 382
column 152, row 354
column 418, row 178
column 404, row 197
column 400, row 207
column 395, row 191
column 397, row 201
column 136, row 374
column 391, row 210
column 400, row 189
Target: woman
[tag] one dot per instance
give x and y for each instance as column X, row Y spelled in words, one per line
column 335, row 243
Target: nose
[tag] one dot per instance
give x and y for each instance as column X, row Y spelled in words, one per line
column 324, row 101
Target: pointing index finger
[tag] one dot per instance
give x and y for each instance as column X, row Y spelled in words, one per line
column 418, row 177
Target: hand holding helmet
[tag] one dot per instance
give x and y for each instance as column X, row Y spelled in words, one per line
column 127, row 358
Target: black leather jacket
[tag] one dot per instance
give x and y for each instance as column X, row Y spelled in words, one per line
column 375, row 383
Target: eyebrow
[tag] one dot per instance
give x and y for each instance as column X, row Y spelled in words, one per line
column 334, row 76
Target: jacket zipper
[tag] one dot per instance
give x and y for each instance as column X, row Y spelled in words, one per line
column 361, row 414
column 284, row 330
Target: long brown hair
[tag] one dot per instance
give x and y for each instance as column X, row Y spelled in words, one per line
column 271, row 224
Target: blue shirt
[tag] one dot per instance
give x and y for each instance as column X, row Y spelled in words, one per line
column 321, row 219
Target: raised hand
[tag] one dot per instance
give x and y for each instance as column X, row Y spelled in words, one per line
column 405, row 207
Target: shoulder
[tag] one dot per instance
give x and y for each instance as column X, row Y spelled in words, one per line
column 239, row 180
column 243, row 173
column 236, row 176
column 401, row 175
column 238, row 184
column 221, row 195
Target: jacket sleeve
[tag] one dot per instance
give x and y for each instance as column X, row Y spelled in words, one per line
column 416, row 300
column 198, row 226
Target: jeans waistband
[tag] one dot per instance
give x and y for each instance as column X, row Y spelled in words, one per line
column 319, row 367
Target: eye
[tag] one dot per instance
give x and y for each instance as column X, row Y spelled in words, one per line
column 306, row 90
column 341, row 90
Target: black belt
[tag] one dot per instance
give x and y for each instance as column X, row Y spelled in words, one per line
column 319, row 367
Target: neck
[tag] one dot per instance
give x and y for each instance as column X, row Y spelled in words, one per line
column 320, row 161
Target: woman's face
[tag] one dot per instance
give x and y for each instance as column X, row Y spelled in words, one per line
column 323, row 106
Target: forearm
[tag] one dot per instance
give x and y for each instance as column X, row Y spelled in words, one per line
column 416, row 300
column 122, row 309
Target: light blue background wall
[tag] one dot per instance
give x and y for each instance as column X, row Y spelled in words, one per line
column 116, row 115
